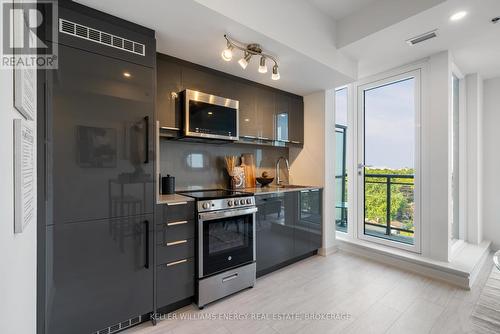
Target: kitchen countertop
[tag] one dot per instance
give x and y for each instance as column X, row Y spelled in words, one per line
column 173, row 198
column 272, row 189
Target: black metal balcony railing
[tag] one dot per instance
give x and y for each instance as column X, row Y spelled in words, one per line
column 395, row 185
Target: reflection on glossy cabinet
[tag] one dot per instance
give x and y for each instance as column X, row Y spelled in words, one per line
column 96, row 268
column 309, row 224
column 265, row 106
column 249, row 122
column 296, row 120
column 167, row 89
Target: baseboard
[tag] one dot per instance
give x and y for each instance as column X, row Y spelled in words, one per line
column 328, row 251
column 459, row 276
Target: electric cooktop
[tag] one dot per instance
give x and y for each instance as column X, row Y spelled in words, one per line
column 202, row 195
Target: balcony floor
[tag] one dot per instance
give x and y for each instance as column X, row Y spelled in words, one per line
column 379, row 299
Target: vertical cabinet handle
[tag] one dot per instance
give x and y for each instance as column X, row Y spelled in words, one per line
column 146, row 120
column 146, row 223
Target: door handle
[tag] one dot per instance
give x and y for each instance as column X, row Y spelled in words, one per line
column 146, row 265
column 146, row 120
column 361, row 166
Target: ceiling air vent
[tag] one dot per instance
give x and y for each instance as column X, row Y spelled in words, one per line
column 422, row 38
column 101, row 37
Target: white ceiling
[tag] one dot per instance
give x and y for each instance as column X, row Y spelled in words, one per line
column 338, row 9
column 474, row 41
column 188, row 30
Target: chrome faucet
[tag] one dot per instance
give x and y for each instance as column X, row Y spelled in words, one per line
column 278, row 179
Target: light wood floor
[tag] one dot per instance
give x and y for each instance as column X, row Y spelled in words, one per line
column 378, row 298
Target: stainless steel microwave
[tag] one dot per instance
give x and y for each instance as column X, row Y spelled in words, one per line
column 210, row 116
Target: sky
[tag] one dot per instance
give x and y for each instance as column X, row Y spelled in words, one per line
column 389, row 124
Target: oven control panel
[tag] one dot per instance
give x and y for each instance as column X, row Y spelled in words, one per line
column 225, row 203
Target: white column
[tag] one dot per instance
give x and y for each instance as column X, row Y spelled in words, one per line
column 313, row 164
column 474, row 115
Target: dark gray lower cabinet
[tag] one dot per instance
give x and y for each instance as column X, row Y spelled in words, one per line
column 99, row 273
column 175, row 281
column 175, row 248
column 308, row 226
column 275, row 230
column 288, row 226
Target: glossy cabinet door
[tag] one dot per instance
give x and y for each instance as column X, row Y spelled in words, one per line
column 248, row 119
column 203, row 81
column 101, row 152
column 168, row 87
column 308, row 229
column 296, row 120
column 283, row 118
column 275, row 220
column 99, row 273
column 265, row 106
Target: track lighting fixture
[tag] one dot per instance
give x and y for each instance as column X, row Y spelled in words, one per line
column 249, row 50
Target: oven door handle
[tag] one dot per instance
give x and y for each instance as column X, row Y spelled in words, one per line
column 204, row 216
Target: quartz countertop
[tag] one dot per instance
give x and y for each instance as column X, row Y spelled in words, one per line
column 272, row 189
column 173, row 198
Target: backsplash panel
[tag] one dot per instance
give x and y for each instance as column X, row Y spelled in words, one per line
column 201, row 165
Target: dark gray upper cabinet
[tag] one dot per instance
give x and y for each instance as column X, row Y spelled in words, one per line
column 265, row 106
column 260, row 106
column 168, row 86
column 249, row 121
column 296, row 122
column 289, row 119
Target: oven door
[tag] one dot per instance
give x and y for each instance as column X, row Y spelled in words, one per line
column 226, row 240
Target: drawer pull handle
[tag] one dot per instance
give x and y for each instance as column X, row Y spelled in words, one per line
column 229, row 278
column 177, row 223
column 176, row 263
column 177, row 203
column 173, row 243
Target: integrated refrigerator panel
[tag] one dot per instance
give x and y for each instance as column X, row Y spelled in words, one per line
column 103, row 111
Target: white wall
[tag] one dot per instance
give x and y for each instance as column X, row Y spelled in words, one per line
column 313, row 164
column 491, row 162
column 17, row 251
column 377, row 16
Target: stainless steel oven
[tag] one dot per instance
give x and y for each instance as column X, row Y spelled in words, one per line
column 226, row 243
column 226, row 240
column 210, row 116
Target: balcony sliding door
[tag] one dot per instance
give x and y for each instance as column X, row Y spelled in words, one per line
column 388, row 161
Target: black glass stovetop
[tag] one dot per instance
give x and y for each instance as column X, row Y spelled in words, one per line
column 214, row 194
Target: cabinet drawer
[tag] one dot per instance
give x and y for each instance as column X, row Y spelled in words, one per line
column 175, row 250
column 175, row 281
column 178, row 211
column 174, row 231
